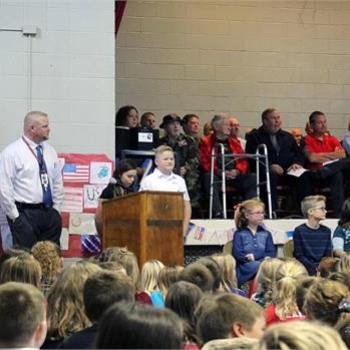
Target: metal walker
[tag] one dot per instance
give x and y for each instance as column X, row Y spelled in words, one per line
column 260, row 159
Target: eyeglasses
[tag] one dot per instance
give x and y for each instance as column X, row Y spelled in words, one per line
column 321, row 208
column 256, row 213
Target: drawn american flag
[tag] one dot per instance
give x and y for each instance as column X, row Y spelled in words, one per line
column 72, row 200
column 76, row 173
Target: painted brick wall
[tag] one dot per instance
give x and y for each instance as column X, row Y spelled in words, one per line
column 73, row 71
column 238, row 57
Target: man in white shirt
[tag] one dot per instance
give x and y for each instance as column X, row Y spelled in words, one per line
column 163, row 179
column 31, row 186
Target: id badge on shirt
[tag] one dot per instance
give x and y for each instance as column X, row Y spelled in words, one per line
column 44, row 180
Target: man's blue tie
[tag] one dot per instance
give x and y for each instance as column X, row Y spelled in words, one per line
column 44, row 179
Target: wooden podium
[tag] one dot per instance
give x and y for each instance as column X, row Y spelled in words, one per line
column 149, row 223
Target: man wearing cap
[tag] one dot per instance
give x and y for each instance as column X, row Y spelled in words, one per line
column 186, row 157
column 190, row 126
column 236, row 171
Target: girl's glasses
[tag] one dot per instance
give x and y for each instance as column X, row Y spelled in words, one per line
column 256, row 213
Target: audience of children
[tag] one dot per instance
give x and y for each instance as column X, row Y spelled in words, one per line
column 85, row 301
column 252, row 243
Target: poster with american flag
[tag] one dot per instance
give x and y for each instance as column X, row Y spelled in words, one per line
column 73, row 172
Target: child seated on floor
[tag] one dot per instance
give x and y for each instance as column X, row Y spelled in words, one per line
column 312, row 241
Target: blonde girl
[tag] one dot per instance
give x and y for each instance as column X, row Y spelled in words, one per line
column 252, row 243
column 149, row 290
column 284, row 307
column 266, row 278
column 227, row 264
column 50, row 259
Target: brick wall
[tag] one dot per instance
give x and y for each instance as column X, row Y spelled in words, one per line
column 238, row 57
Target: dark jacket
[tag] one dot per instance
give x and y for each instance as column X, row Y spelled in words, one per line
column 288, row 154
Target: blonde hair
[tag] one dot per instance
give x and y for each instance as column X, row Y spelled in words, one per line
column 65, row 309
column 287, row 276
column 22, row 268
column 149, row 275
column 227, row 264
column 310, row 202
column 300, row 335
column 266, row 278
column 49, row 256
column 125, row 257
column 344, row 263
column 248, row 205
column 161, row 149
column 323, row 299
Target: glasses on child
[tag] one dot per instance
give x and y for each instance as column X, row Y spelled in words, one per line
column 256, row 213
column 321, row 208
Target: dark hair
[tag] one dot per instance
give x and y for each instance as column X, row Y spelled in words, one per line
column 103, row 289
column 266, row 113
column 183, row 298
column 345, row 213
column 187, row 118
column 199, row 275
column 214, row 268
column 313, row 116
column 122, row 114
column 123, row 166
column 139, row 326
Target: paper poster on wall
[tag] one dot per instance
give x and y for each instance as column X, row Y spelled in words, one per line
column 82, row 224
column 72, row 200
column 64, row 239
column 100, row 172
column 91, row 195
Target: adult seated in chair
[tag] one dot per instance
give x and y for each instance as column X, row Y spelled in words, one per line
column 236, row 170
column 319, row 148
column 283, row 154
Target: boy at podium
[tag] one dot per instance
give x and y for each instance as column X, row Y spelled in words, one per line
column 163, row 179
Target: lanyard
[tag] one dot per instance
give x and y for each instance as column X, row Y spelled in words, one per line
column 31, row 150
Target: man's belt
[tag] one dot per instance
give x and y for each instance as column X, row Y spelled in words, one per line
column 30, row 206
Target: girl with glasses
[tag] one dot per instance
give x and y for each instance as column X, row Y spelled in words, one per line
column 252, row 243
